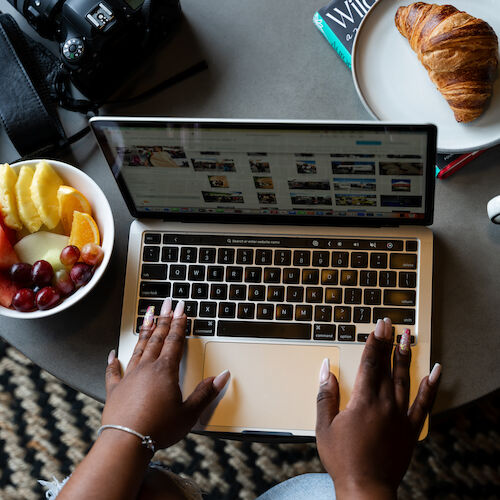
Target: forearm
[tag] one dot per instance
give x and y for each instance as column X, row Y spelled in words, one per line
column 112, row 470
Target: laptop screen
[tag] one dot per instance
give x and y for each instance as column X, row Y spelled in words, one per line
column 322, row 172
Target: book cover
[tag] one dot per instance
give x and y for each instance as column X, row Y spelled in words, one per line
column 339, row 21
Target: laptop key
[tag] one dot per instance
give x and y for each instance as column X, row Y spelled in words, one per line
column 244, row 256
column 151, row 254
column 196, row 273
column 324, row 332
column 321, row 259
column 310, row 276
column 340, row 259
column 352, row 295
column 181, row 290
column 227, row 310
column 208, row 309
column 215, row 273
column 378, row 260
column 253, row 274
column 329, row 277
column 256, row 292
column 203, row 327
column 399, row 316
column 282, row 258
column 264, row 330
column 154, row 271
column 323, row 313
column 272, row 275
column 301, row 258
column 403, row 261
column 191, row 308
column 347, row 333
column 362, row 315
column 189, row 254
column 373, row 296
column 189, row 324
column 387, row 278
column 333, row 295
column 199, row 291
column 291, row 275
column 399, row 297
column 294, row 294
column 169, row 254
column 246, row 311
column 234, row 273
column 411, row 246
column 153, row 289
column 284, row 311
column 314, row 294
column 363, row 337
column 275, row 293
column 225, row 256
column 207, row 255
column 177, row 272
column 407, row 280
column 359, row 259
column 218, row 291
column 152, row 238
column 412, row 339
column 303, row 313
column 368, row 278
column 145, row 303
column 349, row 277
column 263, row 257
column 265, row 311
column 237, row 292
column 342, row 313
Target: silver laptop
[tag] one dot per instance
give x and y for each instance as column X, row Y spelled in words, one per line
column 287, row 240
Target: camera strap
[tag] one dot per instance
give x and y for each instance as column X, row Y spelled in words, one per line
column 27, row 109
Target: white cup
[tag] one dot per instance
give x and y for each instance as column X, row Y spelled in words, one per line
column 494, row 210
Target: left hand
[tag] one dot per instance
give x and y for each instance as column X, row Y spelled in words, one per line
column 147, row 398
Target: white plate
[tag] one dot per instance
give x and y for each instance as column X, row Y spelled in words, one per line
column 393, row 84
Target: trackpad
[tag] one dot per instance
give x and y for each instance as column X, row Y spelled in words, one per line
column 272, row 386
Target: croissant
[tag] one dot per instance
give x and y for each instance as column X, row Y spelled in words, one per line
column 460, row 53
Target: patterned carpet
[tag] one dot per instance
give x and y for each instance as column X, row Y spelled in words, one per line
column 46, row 429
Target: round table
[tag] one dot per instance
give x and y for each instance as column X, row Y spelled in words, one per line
column 267, row 60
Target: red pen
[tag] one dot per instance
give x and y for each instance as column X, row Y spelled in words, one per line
column 458, row 163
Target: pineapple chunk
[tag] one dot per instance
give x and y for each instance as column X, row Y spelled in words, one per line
column 8, row 205
column 44, row 193
column 27, row 211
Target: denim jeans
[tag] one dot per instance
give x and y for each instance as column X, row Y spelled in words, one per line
column 304, row 487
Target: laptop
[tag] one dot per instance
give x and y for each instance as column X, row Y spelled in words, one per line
column 287, row 240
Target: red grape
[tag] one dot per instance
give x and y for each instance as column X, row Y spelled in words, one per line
column 69, row 255
column 42, row 273
column 20, row 274
column 63, row 282
column 81, row 274
column 92, row 254
column 47, row 298
column 24, row 300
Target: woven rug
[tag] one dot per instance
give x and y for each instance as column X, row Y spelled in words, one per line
column 46, row 428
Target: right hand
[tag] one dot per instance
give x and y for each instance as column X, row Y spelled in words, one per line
column 367, row 447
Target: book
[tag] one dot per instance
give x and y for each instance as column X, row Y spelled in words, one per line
column 339, row 21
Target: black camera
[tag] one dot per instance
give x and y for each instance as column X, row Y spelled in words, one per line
column 101, row 42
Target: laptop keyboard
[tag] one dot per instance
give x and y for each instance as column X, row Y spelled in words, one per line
column 286, row 288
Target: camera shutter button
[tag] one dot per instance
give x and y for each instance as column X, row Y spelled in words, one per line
column 73, row 49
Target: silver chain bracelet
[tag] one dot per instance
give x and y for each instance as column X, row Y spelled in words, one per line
column 146, row 441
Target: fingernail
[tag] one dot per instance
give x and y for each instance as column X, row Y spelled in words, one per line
column 149, row 316
column 179, row 309
column 166, row 307
column 111, row 356
column 404, row 343
column 324, row 373
column 221, row 380
column 435, row 373
column 380, row 329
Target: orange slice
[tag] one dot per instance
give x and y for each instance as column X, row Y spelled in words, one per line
column 70, row 200
column 83, row 230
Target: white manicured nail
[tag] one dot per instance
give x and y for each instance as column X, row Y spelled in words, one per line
column 179, row 309
column 221, row 380
column 380, row 329
column 435, row 374
column 111, row 356
column 166, row 307
column 324, row 373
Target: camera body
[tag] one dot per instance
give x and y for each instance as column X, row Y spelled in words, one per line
column 101, row 41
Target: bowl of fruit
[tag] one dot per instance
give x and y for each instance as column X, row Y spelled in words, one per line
column 56, row 237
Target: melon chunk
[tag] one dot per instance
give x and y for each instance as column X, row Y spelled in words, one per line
column 37, row 245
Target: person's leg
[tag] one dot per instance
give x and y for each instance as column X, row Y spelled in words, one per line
column 304, row 487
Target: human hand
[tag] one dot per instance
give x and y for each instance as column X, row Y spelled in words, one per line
column 367, row 447
column 147, row 398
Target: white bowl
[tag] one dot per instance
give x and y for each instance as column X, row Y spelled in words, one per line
column 101, row 212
